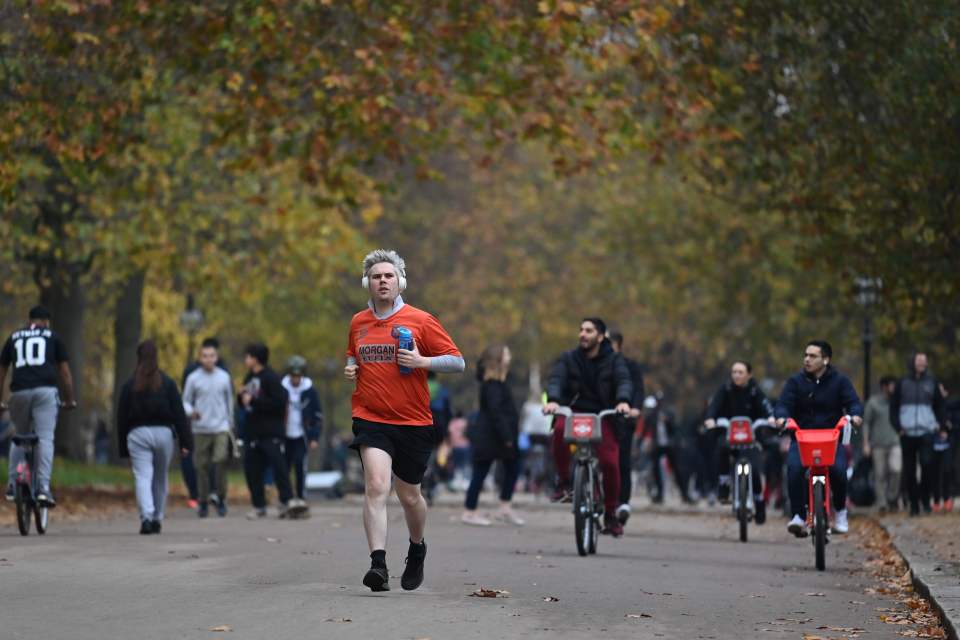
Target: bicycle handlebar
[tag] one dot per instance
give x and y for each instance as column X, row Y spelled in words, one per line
column 845, row 423
column 567, row 412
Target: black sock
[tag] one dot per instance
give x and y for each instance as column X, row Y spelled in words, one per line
column 417, row 544
column 379, row 558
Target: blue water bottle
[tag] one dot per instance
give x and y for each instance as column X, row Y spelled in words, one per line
column 404, row 341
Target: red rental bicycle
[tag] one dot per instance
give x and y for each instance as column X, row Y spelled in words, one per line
column 818, row 451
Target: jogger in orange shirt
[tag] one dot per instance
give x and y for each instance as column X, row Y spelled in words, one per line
column 392, row 424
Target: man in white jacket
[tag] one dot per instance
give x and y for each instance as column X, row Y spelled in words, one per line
column 304, row 421
column 208, row 402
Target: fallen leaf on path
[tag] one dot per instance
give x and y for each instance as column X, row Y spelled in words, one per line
column 338, row 620
column 638, row 615
column 221, row 628
column 490, row 593
column 816, row 594
column 551, row 599
column 273, row 539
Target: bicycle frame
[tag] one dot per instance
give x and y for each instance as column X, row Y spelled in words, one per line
column 742, row 439
column 582, row 431
column 818, row 450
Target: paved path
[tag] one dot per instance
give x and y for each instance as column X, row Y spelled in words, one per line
column 280, row 579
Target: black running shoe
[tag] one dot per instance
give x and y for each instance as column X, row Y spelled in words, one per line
column 10, row 494
column 760, row 511
column 413, row 573
column 155, row 526
column 378, row 579
column 146, row 527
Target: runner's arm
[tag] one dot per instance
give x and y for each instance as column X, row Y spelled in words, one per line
column 446, row 364
column 3, row 378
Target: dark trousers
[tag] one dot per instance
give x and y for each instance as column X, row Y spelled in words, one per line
column 511, row 470
column 295, row 452
column 918, row 448
column 797, row 482
column 258, row 455
column 625, row 430
column 670, row 452
column 189, row 472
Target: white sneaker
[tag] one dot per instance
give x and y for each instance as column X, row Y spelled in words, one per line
column 475, row 519
column 623, row 513
column 840, row 524
column 797, row 527
column 509, row 517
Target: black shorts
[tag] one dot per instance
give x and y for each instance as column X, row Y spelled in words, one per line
column 409, row 446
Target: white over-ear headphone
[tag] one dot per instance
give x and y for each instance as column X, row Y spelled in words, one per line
column 402, row 279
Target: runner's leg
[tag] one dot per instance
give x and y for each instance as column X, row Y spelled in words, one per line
column 377, row 470
column 414, row 508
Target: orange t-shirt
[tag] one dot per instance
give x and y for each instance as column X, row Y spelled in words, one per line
column 382, row 393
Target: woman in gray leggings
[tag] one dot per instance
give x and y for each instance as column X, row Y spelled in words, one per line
column 149, row 415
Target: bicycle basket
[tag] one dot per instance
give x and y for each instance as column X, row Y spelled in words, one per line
column 582, row 427
column 818, row 447
column 740, row 432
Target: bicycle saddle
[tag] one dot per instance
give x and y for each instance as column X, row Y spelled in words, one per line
column 22, row 439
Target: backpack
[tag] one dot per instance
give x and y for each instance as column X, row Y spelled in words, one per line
column 861, row 489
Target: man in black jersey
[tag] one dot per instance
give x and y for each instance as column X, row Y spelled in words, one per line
column 39, row 361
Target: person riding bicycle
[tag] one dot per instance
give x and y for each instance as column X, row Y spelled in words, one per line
column 816, row 398
column 740, row 396
column 39, row 359
column 590, row 379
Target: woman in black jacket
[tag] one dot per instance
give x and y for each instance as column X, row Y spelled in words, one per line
column 149, row 414
column 494, row 437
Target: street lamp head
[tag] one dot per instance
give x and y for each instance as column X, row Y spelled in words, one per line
column 191, row 318
column 867, row 290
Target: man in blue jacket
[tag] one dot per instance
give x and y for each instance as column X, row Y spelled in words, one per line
column 817, row 398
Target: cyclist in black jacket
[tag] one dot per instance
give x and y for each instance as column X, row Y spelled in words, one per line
column 590, row 379
column 740, row 396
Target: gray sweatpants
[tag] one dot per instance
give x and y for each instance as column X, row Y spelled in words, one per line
column 151, row 449
column 35, row 411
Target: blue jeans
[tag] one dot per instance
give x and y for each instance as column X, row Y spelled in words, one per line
column 797, row 485
column 511, row 470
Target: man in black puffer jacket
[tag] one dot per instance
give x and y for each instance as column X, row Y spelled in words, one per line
column 265, row 403
column 590, row 379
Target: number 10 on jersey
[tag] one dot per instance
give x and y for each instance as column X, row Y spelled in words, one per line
column 31, row 352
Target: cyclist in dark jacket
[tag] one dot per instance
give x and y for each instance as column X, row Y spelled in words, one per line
column 817, row 398
column 739, row 396
column 590, row 379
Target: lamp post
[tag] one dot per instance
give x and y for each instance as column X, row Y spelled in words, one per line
column 191, row 321
column 330, row 368
column 868, row 293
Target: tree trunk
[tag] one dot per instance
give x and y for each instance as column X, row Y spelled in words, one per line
column 67, row 301
column 127, row 328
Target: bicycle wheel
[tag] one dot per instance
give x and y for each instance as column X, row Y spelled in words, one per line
column 596, row 511
column 819, row 526
column 41, row 516
column 743, row 486
column 582, row 509
column 23, row 509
